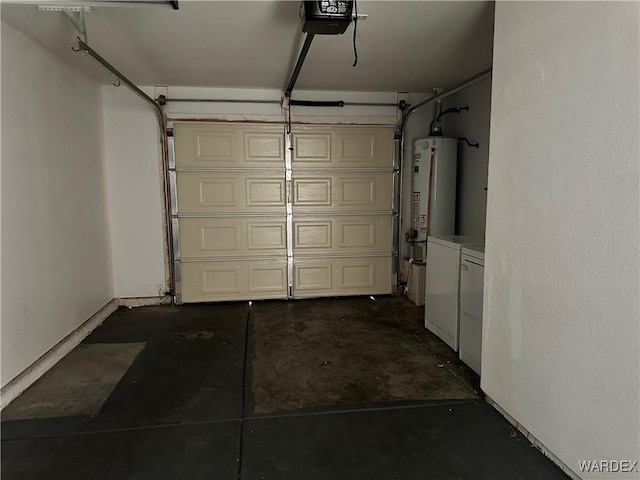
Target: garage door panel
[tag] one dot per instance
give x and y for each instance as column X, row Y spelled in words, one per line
column 233, row 280
column 343, row 234
column 220, row 279
column 371, row 191
column 358, row 192
column 263, row 236
column 265, row 192
column 313, row 277
column 361, row 275
column 208, row 192
column 356, row 150
column 349, row 147
column 215, row 193
column 312, row 192
column 312, row 234
column 365, row 233
column 342, row 276
column 216, row 237
column 263, row 147
column 359, row 234
column 311, row 148
column 371, row 147
column 364, row 275
column 234, row 188
column 268, row 278
column 215, row 148
column 228, row 146
column 220, row 238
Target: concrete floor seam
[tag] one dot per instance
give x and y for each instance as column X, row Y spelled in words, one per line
column 242, row 419
column 380, row 408
column 244, row 387
column 123, row 430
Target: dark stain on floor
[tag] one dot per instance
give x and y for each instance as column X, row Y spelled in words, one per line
column 330, row 353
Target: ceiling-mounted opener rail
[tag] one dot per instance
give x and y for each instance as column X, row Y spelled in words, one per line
column 319, row 17
column 83, row 47
column 296, row 70
column 324, row 17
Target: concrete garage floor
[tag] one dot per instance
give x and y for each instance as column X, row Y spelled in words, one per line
column 315, row 389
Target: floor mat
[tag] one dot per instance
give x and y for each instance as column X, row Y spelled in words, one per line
column 77, row 385
column 340, row 352
column 191, row 370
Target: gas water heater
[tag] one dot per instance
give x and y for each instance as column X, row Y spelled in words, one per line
column 433, row 206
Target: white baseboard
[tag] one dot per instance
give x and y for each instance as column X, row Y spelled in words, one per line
column 132, row 302
column 27, row 377
column 32, row 373
column 563, row 466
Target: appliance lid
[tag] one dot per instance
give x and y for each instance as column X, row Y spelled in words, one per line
column 455, row 241
column 474, row 251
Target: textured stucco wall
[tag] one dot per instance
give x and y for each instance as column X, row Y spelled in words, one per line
column 561, row 337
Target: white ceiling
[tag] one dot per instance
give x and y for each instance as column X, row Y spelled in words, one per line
column 402, row 45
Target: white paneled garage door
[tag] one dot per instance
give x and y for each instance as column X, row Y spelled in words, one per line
column 255, row 220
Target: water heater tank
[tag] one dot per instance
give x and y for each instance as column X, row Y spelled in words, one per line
column 433, row 206
column 326, row 17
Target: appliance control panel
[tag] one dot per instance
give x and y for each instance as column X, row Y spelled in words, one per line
column 334, row 7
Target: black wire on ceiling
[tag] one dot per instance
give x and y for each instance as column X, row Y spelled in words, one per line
column 355, row 31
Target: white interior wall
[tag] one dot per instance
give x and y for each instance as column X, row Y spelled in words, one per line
column 473, row 163
column 561, row 337
column 132, row 151
column 56, row 266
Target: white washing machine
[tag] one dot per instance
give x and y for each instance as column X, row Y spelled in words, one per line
column 442, row 286
column 471, row 296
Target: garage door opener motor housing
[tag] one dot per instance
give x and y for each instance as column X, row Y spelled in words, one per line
column 326, row 17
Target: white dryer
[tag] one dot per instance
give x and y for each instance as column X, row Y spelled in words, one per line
column 442, row 285
column 471, row 295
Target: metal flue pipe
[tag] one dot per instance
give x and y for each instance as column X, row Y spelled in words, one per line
column 467, row 83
